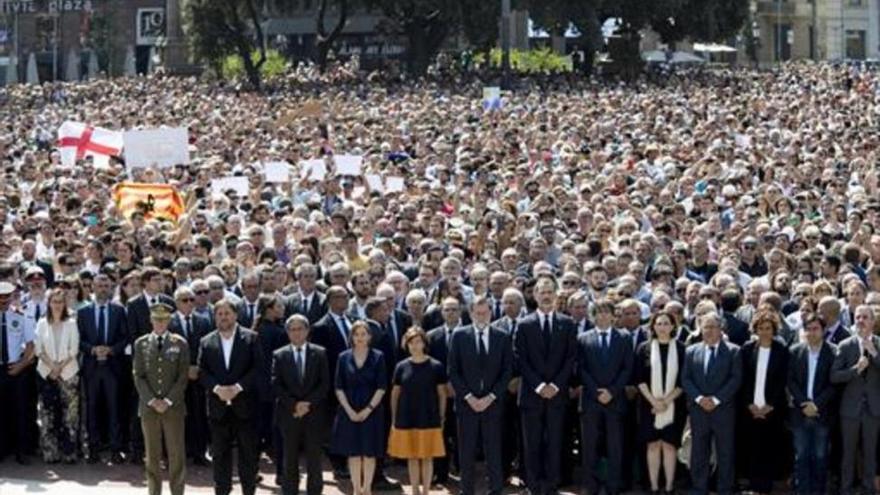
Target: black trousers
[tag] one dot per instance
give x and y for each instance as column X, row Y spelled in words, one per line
column 476, row 429
column 305, row 434
column 225, row 432
column 542, row 445
column 442, row 465
column 196, row 420
column 602, row 426
column 102, row 401
column 511, row 440
column 571, row 441
column 14, row 413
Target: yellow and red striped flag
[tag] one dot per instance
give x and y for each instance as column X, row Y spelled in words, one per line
column 154, row 200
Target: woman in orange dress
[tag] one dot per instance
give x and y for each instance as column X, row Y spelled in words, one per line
column 418, row 407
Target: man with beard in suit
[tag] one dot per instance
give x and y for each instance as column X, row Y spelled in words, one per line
column 480, row 363
column 306, row 300
column 230, row 360
column 545, row 345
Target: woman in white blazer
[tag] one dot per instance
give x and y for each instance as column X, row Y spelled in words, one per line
column 57, row 347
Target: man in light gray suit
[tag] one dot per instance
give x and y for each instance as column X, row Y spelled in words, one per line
column 857, row 368
column 711, row 377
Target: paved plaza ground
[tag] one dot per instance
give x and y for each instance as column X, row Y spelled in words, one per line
column 127, row 479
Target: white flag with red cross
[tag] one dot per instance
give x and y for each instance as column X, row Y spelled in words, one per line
column 77, row 141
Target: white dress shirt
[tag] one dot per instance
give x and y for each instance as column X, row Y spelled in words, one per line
column 812, row 364
column 761, row 376
column 227, row 347
column 299, row 353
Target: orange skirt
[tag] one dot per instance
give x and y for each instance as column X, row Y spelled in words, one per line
column 416, row 443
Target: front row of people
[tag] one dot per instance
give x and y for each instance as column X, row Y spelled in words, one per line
column 714, row 385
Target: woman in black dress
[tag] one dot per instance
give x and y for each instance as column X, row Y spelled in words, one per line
column 359, row 429
column 418, row 408
column 658, row 366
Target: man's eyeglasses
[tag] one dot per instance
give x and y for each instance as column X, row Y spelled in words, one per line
column 201, row 292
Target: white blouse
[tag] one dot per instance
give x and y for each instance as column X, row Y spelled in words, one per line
column 58, row 346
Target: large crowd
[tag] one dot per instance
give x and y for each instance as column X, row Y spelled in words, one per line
column 653, row 287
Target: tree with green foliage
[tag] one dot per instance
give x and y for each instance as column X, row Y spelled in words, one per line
column 555, row 16
column 326, row 38
column 480, row 22
column 424, row 23
column 218, row 28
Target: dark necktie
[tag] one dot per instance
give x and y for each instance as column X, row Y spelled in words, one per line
column 604, row 343
column 251, row 312
column 307, row 306
column 497, row 313
column 545, row 333
column 102, row 324
column 187, row 327
column 160, row 342
column 481, row 344
column 37, row 312
column 711, row 359
column 4, row 339
column 299, row 364
column 345, row 331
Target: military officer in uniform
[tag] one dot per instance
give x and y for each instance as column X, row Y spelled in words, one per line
column 16, row 354
column 161, row 364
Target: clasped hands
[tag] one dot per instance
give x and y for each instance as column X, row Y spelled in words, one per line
column 302, row 408
column 483, row 403
column 708, row 403
column 359, row 416
column 660, row 404
column 159, row 405
column 227, row 393
column 604, row 396
column 547, row 391
column 809, row 409
column 760, row 412
column 102, row 352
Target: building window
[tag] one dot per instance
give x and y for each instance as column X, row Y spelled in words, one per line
column 855, row 44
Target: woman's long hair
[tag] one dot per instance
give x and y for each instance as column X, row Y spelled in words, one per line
column 263, row 304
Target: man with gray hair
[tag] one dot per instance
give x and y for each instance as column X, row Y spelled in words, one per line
column 711, row 377
column 512, row 304
column 829, row 309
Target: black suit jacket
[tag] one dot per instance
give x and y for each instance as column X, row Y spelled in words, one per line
column 438, row 345
column 537, row 365
column 403, row 320
column 288, row 387
column 839, row 334
column 737, row 330
column 316, row 311
column 245, row 364
column 777, row 374
column 244, row 318
column 471, row 374
column 138, row 310
column 117, row 335
column 200, row 327
column 611, row 369
column 824, row 392
column 327, row 334
column 382, row 341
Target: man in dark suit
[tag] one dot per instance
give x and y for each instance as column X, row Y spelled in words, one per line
column 711, row 377
column 192, row 327
column 630, row 323
column 230, row 360
column 835, row 331
column 605, row 362
column 480, row 365
column 332, row 333
column 138, row 317
column 812, row 396
column 545, row 345
column 737, row 331
column 300, row 384
column 250, row 295
column 439, row 341
column 103, row 337
column 307, row 300
column 857, row 369
column 399, row 321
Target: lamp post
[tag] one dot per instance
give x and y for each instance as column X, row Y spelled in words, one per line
column 505, row 43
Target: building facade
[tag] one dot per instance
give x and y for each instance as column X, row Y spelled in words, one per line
column 57, row 33
column 844, row 29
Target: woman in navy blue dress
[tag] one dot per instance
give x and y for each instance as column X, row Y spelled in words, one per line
column 359, row 429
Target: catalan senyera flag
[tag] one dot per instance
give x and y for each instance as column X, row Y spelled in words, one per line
column 154, row 200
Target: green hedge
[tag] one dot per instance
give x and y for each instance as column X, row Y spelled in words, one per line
column 276, row 65
column 541, row 60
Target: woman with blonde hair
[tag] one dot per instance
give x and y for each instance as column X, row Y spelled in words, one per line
column 57, row 346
